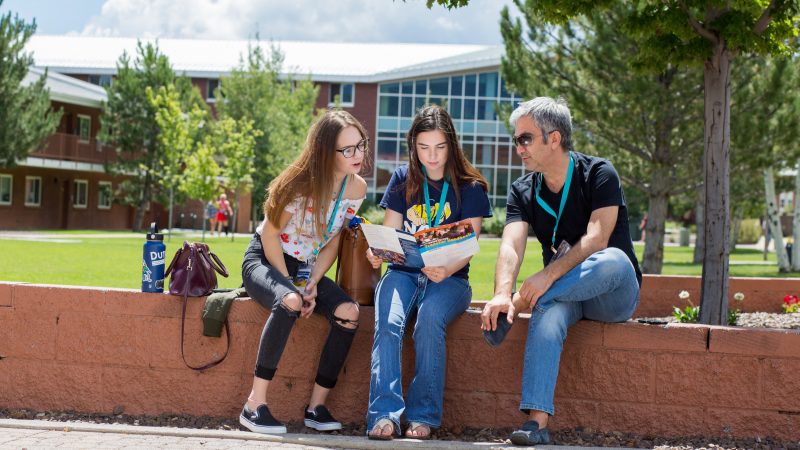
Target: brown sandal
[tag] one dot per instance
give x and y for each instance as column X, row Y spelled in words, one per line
column 415, row 427
column 381, row 426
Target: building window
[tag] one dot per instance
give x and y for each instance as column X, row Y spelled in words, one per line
column 33, row 191
column 6, row 184
column 213, row 84
column 345, row 92
column 104, row 195
column 84, row 128
column 81, row 191
column 101, row 80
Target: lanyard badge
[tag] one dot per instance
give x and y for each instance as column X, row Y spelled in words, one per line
column 564, row 194
column 440, row 212
column 304, row 272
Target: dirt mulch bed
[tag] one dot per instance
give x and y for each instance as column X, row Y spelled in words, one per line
column 577, row 437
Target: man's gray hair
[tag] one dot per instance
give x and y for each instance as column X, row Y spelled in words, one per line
column 549, row 115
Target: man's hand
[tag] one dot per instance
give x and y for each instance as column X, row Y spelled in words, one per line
column 500, row 303
column 534, row 287
column 435, row 274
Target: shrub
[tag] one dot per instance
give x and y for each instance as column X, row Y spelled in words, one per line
column 373, row 214
column 749, row 231
column 494, row 225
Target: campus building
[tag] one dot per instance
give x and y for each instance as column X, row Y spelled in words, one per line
column 382, row 85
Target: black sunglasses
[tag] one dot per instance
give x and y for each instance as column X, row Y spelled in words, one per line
column 526, row 139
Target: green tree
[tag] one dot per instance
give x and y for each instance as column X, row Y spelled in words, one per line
column 129, row 123
column 281, row 108
column 26, row 117
column 178, row 137
column 647, row 124
column 235, row 141
column 707, row 33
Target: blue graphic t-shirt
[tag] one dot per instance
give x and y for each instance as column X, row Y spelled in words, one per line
column 474, row 203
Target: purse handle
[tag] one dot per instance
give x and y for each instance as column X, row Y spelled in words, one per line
column 183, row 355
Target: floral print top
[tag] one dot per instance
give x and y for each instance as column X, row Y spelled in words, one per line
column 297, row 237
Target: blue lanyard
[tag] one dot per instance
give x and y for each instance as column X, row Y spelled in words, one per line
column 331, row 220
column 442, row 198
column 564, row 195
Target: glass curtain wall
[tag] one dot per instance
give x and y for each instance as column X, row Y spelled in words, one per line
column 472, row 100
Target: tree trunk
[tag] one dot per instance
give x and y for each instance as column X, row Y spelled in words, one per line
column 143, row 202
column 774, row 221
column 235, row 208
column 714, row 289
column 700, row 224
column 796, row 222
column 171, row 204
column 653, row 258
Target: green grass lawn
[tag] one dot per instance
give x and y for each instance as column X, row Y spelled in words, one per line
column 116, row 262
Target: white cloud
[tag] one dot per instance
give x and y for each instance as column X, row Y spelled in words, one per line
column 312, row 20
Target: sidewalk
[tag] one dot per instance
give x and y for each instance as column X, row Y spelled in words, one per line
column 32, row 434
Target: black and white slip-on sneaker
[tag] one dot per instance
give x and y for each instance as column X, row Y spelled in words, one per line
column 321, row 419
column 260, row 421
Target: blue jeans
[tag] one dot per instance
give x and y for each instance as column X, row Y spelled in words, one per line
column 398, row 295
column 603, row 288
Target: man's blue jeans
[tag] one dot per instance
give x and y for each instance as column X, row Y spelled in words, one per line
column 398, row 295
column 603, row 288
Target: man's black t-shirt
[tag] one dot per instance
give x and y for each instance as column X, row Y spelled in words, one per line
column 595, row 184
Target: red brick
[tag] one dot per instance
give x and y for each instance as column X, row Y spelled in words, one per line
column 33, row 335
column 6, row 322
column 755, row 341
column 348, row 401
column 43, row 385
column 780, row 384
column 633, row 335
column 651, row 419
column 287, row 396
column 100, row 339
column 301, row 356
column 201, row 350
column 130, row 302
column 745, row 423
column 707, row 380
column 51, row 300
column 469, row 408
column 570, row 413
column 156, row 391
column 6, row 294
column 357, row 366
column 585, row 333
column 474, row 363
column 607, row 374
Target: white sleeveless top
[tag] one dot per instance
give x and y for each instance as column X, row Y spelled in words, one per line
column 297, row 237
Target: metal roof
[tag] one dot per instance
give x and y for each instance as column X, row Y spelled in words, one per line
column 324, row 61
column 67, row 89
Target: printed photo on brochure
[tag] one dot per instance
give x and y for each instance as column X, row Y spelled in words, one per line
column 431, row 247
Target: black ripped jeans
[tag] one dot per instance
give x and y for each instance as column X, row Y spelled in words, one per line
column 266, row 285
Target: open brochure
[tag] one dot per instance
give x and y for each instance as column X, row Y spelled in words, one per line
column 431, row 247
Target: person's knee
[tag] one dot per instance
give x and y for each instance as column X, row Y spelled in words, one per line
column 346, row 315
column 292, row 302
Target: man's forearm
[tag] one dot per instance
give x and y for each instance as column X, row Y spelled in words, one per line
column 506, row 271
column 585, row 247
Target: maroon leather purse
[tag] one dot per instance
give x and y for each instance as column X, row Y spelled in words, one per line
column 193, row 270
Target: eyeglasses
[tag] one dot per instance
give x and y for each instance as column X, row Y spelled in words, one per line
column 350, row 150
column 526, row 139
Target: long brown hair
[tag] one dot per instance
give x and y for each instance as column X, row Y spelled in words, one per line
column 457, row 170
column 310, row 175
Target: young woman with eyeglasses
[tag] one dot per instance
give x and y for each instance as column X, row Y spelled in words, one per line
column 284, row 267
column 437, row 187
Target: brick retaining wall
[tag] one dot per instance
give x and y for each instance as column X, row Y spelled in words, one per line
column 91, row 350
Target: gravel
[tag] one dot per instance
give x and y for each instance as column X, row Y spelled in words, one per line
column 749, row 320
column 576, row 436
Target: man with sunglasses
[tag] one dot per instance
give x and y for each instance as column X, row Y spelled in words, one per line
column 576, row 206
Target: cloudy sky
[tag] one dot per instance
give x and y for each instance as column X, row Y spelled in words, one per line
column 307, row 20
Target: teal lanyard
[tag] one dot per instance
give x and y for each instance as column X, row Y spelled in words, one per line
column 331, row 220
column 564, row 195
column 442, row 198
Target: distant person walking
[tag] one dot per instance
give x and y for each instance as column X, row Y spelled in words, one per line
column 211, row 215
column 224, row 212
